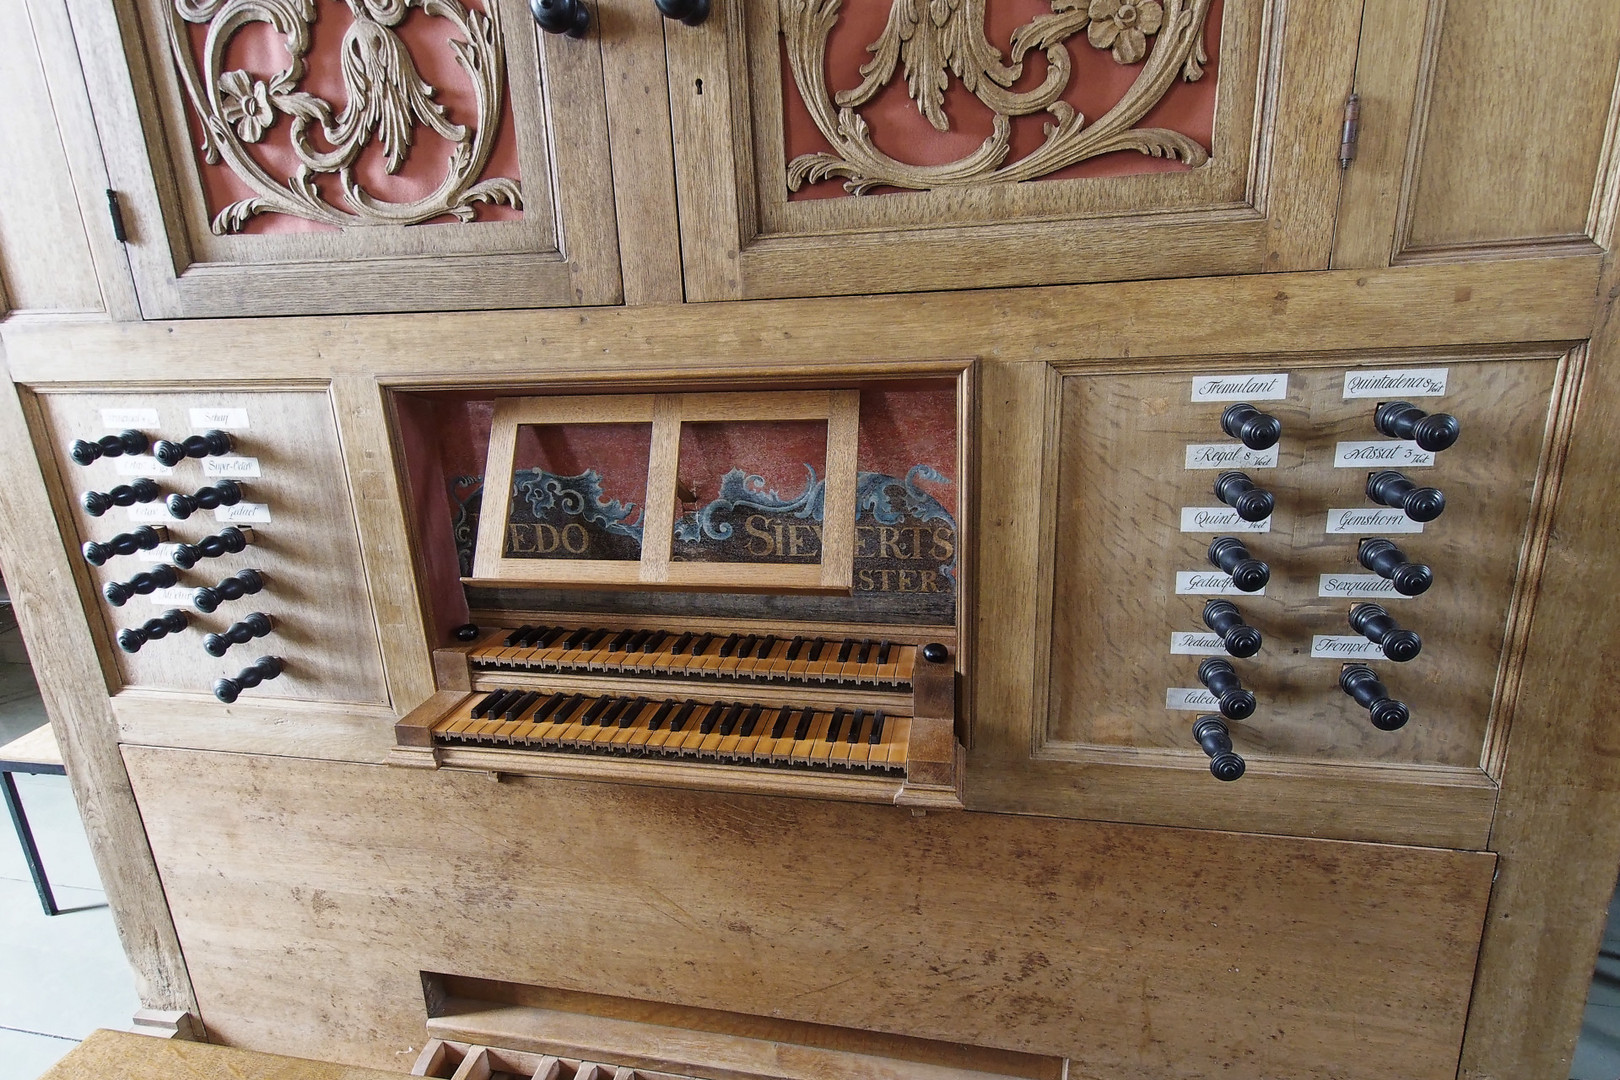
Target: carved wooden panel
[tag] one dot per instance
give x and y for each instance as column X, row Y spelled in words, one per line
column 446, row 144
column 303, row 542
column 912, row 146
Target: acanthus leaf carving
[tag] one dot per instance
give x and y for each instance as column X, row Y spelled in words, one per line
column 933, row 40
column 386, row 98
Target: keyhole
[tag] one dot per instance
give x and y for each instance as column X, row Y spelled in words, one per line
column 699, row 85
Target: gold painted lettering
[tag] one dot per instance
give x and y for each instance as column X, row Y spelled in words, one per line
column 755, row 526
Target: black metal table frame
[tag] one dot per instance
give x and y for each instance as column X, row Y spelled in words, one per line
column 25, row 834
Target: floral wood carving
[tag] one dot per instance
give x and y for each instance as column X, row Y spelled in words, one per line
column 386, row 99
column 935, row 39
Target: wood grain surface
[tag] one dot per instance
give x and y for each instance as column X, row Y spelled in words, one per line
column 1135, row 952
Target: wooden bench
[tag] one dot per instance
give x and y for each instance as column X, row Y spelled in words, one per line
column 36, row 753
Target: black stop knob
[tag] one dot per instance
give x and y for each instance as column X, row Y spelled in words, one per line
column 1236, row 490
column 208, row 444
column 96, row 503
column 1221, row 679
column 1390, row 488
column 935, row 652
column 561, row 16
column 1403, row 420
column 144, row 538
column 265, row 667
column 465, row 632
column 228, row 541
column 1248, row 574
column 690, row 12
column 1378, row 626
column 131, row 638
column 224, row 493
column 1250, row 426
column 125, row 442
column 1240, row 639
column 1210, row 733
column 1386, row 560
column 253, row 626
column 240, row 584
column 118, row 593
column 1361, row 683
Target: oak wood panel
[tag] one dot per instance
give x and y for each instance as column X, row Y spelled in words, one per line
column 1559, row 817
column 63, row 654
column 309, row 550
column 1403, row 308
column 1517, row 141
column 142, row 1057
column 44, row 254
column 1159, row 951
column 1121, row 492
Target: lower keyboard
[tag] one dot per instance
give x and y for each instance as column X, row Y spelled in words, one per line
column 719, row 731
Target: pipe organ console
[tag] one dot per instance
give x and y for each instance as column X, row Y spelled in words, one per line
column 788, row 540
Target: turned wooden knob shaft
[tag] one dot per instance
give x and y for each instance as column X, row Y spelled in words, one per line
column 1212, row 737
column 224, row 493
column 1362, row 684
column 1403, row 420
column 1383, row 558
column 256, row 625
column 228, row 541
column 208, row 444
column 1240, row 639
column 118, row 593
column 1248, row 574
column 1390, row 488
column 131, row 638
column 144, row 538
column 125, row 442
column 96, row 503
column 265, row 667
column 240, row 584
column 1236, row 490
column 1250, row 426
column 1378, row 626
column 1221, row 679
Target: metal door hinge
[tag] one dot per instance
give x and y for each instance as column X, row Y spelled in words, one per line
column 116, row 212
column 1352, row 128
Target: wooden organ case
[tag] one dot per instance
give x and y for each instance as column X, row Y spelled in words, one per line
column 784, row 539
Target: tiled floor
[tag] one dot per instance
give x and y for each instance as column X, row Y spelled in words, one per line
column 61, row 977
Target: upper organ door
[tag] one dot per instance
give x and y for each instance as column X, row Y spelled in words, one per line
column 312, row 156
column 827, row 147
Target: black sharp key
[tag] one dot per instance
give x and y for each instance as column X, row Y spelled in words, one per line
column 516, row 636
column 568, row 709
column 854, row 735
column 637, row 640
column 765, row 647
column 750, row 720
column 681, row 643
column 546, row 707
column 658, row 717
column 623, row 637
column 548, row 638
column 702, row 644
column 815, row 650
column 488, row 702
column 868, row 651
column 780, row 726
column 711, row 718
column 681, row 717
column 805, row 720
column 836, row 724
column 520, row 706
column 534, row 635
column 843, row 651
column 728, row 646
column 607, row 718
column 576, row 640
column 883, row 652
column 877, row 729
column 729, row 724
column 745, row 647
column 651, row 644
column 795, row 647
column 595, row 710
column 597, row 638
column 629, row 715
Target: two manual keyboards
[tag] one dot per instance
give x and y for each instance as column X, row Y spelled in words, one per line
column 868, row 716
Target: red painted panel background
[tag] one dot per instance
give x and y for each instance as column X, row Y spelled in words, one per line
column 899, row 130
column 259, row 50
